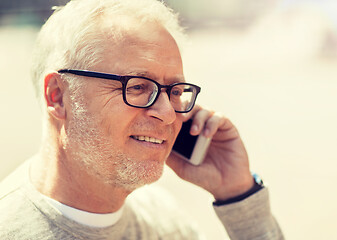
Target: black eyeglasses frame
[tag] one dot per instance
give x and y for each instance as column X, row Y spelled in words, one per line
column 124, row 80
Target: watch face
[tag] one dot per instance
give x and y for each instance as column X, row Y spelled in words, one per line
column 257, row 179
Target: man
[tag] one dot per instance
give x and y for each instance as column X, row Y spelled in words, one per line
column 110, row 79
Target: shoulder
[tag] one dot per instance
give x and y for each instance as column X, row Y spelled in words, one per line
column 11, row 194
column 20, row 217
column 15, row 180
column 17, row 212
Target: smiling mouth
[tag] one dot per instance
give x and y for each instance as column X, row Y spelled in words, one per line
column 148, row 139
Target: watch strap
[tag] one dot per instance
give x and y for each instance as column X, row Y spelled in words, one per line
column 258, row 185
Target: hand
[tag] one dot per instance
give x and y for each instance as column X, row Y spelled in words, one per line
column 225, row 171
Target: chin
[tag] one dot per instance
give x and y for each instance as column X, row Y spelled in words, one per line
column 135, row 174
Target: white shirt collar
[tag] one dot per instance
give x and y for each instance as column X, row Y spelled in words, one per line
column 86, row 218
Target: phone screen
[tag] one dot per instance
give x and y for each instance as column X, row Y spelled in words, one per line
column 185, row 142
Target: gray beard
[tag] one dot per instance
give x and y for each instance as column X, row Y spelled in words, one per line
column 100, row 158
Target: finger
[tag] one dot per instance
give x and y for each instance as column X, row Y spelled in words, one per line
column 213, row 124
column 199, row 121
column 190, row 114
column 227, row 127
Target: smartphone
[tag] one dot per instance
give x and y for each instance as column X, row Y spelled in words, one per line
column 191, row 148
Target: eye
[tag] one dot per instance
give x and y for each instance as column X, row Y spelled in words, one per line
column 136, row 89
column 177, row 91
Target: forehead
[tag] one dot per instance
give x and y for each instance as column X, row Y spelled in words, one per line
column 143, row 48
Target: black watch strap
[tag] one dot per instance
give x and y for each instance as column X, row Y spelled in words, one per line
column 258, row 185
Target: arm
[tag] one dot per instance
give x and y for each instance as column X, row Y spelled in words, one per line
column 224, row 173
column 250, row 218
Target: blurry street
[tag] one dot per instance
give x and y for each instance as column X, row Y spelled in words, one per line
column 277, row 81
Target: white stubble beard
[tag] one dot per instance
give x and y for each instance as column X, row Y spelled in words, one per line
column 99, row 157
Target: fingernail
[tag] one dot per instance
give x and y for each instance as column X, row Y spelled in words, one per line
column 195, row 128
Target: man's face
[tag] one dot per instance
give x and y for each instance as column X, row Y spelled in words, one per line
column 122, row 145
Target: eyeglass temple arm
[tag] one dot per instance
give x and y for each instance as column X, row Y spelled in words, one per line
column 86, row 73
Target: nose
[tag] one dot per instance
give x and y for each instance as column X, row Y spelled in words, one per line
column 162, row 109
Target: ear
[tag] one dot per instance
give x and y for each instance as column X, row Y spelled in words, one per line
column 53, row 92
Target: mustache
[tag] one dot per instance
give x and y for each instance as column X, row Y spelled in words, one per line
column 149, row 126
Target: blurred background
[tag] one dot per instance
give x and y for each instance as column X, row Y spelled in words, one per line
column 269, row 65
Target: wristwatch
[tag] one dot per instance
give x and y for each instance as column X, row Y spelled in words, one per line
column 258, row 185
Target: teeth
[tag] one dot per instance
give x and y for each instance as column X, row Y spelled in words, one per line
column 148, row 139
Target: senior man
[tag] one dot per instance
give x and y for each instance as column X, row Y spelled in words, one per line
column 110, row 80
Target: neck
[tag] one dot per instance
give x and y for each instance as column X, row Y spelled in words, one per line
column 54, row 176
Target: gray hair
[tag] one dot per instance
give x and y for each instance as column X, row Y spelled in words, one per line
column 74, row 36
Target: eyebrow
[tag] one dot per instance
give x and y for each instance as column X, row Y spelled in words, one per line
column 150, row 75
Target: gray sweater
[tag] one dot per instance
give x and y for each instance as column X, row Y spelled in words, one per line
column 149, row 213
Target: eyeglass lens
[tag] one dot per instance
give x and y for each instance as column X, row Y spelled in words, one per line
column 142, row 92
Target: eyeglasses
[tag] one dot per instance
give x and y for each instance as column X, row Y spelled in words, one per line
column 143, row 92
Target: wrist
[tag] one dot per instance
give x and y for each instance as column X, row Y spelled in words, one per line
column 257, row 186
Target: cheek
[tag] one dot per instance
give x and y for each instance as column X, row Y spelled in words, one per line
column 116, row 120
column 178, row 123
column 176, row 128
